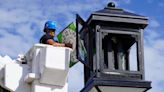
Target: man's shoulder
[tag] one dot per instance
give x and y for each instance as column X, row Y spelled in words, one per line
column 46, row 36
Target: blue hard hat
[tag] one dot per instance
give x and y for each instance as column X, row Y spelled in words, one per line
column 50, row 25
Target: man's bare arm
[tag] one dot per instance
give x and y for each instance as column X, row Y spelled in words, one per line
column 52, row 42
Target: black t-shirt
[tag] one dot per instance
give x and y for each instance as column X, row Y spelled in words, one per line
column 45, row 37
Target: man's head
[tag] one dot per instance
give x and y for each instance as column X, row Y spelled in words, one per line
column 50, row 28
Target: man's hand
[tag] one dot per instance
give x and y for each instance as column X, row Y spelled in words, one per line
column 68, row 45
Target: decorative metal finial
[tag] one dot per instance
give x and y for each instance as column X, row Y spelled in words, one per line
column 111, row 4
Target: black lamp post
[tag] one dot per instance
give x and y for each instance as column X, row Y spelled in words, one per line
column 113, row 39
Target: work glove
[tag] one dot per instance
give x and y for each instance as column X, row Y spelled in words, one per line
column 68, row 45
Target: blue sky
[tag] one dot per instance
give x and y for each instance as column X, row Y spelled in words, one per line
column 22, row 22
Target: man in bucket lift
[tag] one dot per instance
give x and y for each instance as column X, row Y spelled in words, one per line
column 48, row 37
